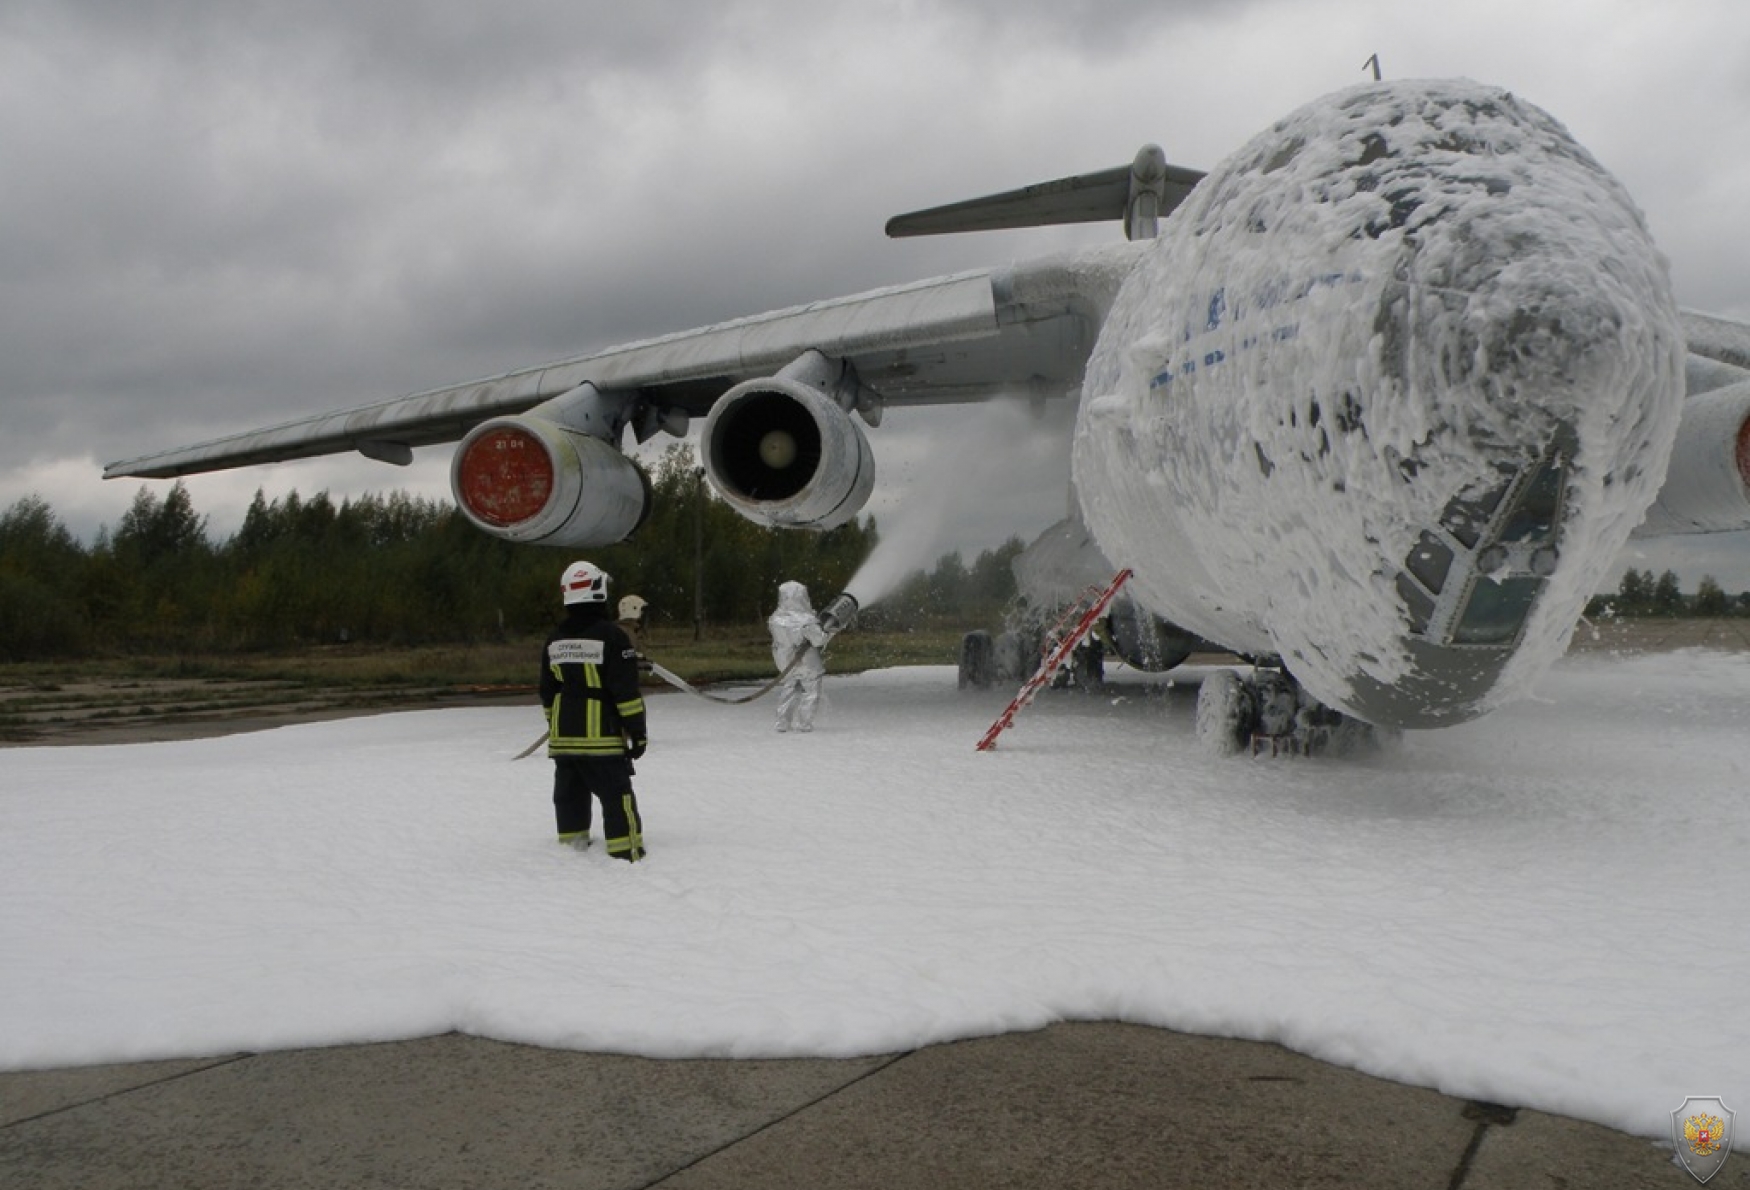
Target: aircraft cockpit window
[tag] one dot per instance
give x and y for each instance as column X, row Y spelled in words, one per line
column 1534, row 517
column 1468, row 519
column 1496, row 610
column 1430, row 561
column 1473, row 579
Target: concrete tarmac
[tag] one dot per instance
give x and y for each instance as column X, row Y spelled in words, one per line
column 1073, row 1105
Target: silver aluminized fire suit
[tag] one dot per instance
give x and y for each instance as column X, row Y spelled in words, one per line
column 796, row 633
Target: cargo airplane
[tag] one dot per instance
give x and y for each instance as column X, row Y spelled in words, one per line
column 1374, row 404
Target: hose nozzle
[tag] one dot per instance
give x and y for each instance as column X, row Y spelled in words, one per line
column 840, row 614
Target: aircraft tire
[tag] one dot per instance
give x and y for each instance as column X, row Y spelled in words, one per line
column 1012, row 658
column 1224, row 713
column 977, row 661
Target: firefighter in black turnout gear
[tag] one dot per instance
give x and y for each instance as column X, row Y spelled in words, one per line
column 595, row 716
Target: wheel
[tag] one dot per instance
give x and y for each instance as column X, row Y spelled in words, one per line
column 1351, row 738
column 1015, row 662
column 1275, row 700
column 1347, row 737
column 1224, row 713
column 977, row 661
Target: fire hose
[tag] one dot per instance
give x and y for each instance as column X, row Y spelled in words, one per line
column 838, row 616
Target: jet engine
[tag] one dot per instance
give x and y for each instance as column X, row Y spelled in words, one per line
column 1144, row 641
column 1707, row 485
column 538, row 480
column 783, row 451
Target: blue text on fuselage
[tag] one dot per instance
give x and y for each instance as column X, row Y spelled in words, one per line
column 1219, row 311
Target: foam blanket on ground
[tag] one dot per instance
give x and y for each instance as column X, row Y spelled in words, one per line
column 1544, row 908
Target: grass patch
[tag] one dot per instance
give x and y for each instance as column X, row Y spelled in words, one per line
column 35, row 695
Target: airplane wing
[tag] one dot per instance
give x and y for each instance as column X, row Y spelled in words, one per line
column 1716, row 338
column 1024, row 329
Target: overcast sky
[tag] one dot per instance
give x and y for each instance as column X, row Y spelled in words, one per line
column 221, row 214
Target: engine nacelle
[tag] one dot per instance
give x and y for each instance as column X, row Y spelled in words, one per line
column 1707, row 486
column 1144, row 641
column 783, row 450
column 535, row 482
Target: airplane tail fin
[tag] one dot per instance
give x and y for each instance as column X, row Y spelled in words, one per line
column 1141, row 194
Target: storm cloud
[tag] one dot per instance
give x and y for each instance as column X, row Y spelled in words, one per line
column 219, row 215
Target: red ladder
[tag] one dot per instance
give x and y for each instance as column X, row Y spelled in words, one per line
column 1055, row 657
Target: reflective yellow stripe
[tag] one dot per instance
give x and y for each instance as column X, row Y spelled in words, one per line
column 631, row 843
column 637, row 828
column 573, row 746
column 594, row 740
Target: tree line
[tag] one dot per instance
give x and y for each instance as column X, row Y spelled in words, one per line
column 404, row 570
column 400, row 569
column 1640, row 594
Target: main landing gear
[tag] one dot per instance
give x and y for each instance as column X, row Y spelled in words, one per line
column 1268, row 710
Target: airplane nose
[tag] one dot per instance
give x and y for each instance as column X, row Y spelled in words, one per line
column 1557, row 393
column 1393, row 388
column 1523, row 351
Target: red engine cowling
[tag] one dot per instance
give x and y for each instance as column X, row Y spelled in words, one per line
column 531, row 481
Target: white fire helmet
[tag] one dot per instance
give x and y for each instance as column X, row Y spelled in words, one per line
column 632, row 607
column 584, row 582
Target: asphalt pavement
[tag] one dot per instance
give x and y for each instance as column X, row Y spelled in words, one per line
column 1073, row 1105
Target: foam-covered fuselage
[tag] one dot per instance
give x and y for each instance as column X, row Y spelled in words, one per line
column 1380, row 397
column 1385, row 398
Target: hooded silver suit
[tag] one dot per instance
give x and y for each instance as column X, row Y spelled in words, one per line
column 797, row 637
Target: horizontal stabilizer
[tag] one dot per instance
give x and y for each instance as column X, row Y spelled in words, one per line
column 1085, row 198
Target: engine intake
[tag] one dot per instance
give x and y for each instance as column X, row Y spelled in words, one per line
column 532, row 481
column 1707, row 485
column 783, row 450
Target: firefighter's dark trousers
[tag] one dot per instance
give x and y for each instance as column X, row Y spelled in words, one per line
column 609, row 778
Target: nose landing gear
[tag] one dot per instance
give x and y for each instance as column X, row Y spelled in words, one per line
column 1268, row 709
